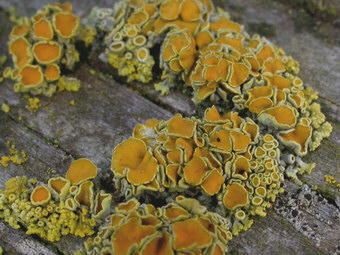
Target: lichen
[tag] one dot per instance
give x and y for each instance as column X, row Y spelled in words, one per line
column 214, row 56
column 41, row 46
column 183, row 225
column 15, row 156
column 54, row 209
column 5, row 108
column 331, row 180
column 33, row 104
column 221, row 158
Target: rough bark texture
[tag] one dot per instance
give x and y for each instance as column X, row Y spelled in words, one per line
column 106, row 111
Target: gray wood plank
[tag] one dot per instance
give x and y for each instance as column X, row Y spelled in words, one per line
column 17, row 243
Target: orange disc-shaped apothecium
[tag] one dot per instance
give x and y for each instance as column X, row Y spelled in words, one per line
column 221, row 140
column 31, row 75
column 85, row 194
column 81, row 170
column 174, row 213
column 190, row 10
column 178, row 126
column 130, row 233
column 46, row 52
column 20, row 49
column 169, row 10
column 43, row 30
column 20, row 30
column 52, row 72
column 40, row 195
column 300, row 136
column 159, row 245
column 235, row 196
column 65, row 24
column 283, row 115
column 195, row 171
column 213, row 183
column 58, row 184
column 132, row 155
column 190, row 234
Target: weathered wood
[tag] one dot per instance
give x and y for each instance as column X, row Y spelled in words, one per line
column 105, row 113
column 17, row 243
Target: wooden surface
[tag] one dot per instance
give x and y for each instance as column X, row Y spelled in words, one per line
column 106, row 111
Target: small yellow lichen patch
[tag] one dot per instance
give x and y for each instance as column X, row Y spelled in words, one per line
column 72, row 103
column 331, row 180
column 15, row 156
column 33, row 104
column 68, row 84
column 5, row 108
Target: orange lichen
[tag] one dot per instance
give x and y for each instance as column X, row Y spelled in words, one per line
column 65, row 24
column 195, row 171
column 190, row 234
column 174, row 213
column 190, row 10
column 139, row 232
column 20, row 49
column 240, row 141
column 141, row 166
column 221, row 140
column 239, row 74
column 130, row 234
column 46, row 52
column 43, row 30
column 241, row 167
column 169, row 10
column 21, row 30
column 81, row 170
column 297, row 138
column 52, row 72
column 225, row 24
column 158, row 245
column 85, row 194
column 31, row 75
column 283, row 115
column 179, row 51
column 41, row 44
column 235, row 196
column 180, row 127
column 213, row 183
column 59, row 185
column 40, row 195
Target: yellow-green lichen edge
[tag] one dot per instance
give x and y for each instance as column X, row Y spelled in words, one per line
column 44, row 44
column 221, row 160
column 54, row 210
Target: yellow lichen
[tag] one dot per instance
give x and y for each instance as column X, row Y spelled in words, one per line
column 33, row 104
column 48, row 216
column 5, row 108
column 331, row 180
column 15, row 156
